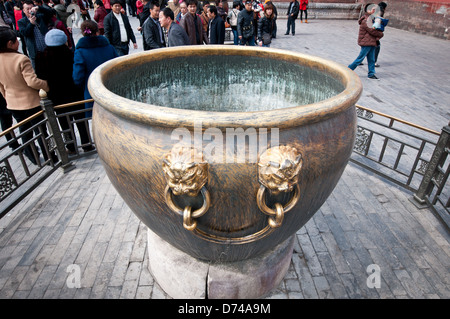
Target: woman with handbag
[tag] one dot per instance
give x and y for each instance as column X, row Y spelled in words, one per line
column 266, row 26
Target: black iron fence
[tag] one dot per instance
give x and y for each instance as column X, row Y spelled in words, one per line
column 406, row 154
column 20, row 177
column 398, row 150
column 30, row 170
column 409, row 155
column 434, row 190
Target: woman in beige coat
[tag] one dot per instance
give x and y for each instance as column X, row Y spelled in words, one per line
column 20, row 87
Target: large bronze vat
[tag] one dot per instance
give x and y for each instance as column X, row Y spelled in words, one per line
column 213, row 193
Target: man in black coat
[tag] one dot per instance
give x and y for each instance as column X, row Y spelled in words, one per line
column 118, row 29
column 216, row 27
column 152, row 32
column 292, row 14
column 245, row 25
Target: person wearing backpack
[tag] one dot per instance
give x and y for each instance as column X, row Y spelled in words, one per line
column 232, row 20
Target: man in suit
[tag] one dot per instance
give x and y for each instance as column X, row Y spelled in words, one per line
column 192, row 24
column 152, row 32
column 292, row 14
column 216, row 27
column 175, row 33
column 118, row 29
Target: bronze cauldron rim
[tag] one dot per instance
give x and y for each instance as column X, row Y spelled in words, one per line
column 176, row 117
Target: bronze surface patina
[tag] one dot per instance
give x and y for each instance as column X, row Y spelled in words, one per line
column 222, row 151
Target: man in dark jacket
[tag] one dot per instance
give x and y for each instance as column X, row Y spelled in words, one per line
column 192, row 24
column 33, row 26
column 245, row 27
column 292, row 14
column 152, row 32
column 216, row 27
column 367, row 40
column 118, row 29
column 176, row 35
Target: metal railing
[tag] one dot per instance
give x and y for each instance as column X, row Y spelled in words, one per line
column 398, row 150
column 20, row 178
column 434, row 190
column 29, row 171
column 406, row 154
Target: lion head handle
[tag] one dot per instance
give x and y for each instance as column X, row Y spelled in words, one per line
column 279, row 168
column 185, row 170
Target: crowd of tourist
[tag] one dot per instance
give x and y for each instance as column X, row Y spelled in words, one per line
column 252, row 22
column 52, row 61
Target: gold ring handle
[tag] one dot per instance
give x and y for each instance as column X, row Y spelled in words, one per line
column 278, row 171
column 196, row 213
column 188, row 223
column 186, row 173
column 272, row 212
column 275, row 223
column 280, row 210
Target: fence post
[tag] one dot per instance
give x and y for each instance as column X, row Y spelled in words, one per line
column 52, row 123
column 426, row 184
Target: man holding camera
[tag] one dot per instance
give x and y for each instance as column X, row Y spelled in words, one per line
column 33, row 27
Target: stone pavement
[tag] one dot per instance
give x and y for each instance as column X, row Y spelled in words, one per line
column 77, row 224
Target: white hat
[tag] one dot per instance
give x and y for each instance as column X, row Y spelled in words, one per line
column 55, row 38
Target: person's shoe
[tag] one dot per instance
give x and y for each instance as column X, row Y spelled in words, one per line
column 301, row 21
column 14, row 146
column 71, row 152
column 306, row 20
column 373, row 77
column 361, row 63
column 88, row 148
column 54, row 160
column 377, row 65
column 30, row 157
column 286, row 34
column 293, row 34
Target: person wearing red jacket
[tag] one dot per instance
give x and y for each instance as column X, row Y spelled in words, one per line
column 304, row 8
column 367, row 40
column 99, row 15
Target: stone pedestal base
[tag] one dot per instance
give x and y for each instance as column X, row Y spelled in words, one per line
column 184, row 277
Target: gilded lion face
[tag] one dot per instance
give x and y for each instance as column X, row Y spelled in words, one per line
column 279, row 168
column 185, row 169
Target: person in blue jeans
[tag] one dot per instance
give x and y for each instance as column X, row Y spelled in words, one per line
column 232, row 20
column 367, row 40
column 292, row 15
